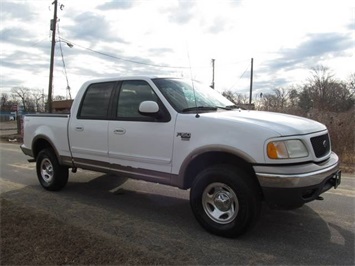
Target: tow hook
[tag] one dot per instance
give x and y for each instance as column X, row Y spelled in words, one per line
column 336, row 179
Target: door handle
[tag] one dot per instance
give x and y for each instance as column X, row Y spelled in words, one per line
column 119, row 131
column 79, row 128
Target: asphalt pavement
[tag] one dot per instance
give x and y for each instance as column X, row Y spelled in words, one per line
column 159, row 218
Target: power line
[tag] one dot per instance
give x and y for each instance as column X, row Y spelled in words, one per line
column 239, row 77
column 123, row 59
column 64, row 67
column 37, row 42
column 70, row 43
column 139, row 62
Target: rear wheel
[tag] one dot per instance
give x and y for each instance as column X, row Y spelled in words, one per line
column 225, row 200
column 51, row 175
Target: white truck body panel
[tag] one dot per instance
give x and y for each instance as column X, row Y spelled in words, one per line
column 53, row 128
column 143, row 145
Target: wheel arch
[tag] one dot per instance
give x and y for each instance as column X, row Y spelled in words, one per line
column 207, row 157
column 41, row 142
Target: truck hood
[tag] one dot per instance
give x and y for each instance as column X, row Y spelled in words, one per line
column 282, row 124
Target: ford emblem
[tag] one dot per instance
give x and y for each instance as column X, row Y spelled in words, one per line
column 325, row 143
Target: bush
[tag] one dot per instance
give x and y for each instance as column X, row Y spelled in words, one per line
column 341, row 129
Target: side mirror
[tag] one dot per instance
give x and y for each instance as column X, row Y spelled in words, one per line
column 148, row 108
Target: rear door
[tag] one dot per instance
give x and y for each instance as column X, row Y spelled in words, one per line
column 88, row 129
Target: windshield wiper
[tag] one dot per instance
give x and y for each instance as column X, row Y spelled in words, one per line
column 230, row 107
column 209, row 108
column 199, row 108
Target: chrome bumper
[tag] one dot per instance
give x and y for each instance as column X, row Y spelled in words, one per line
column 296, row 176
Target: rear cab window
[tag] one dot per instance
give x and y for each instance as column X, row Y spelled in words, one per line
column 96, row 101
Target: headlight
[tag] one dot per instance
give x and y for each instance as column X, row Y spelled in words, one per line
column 287, row 149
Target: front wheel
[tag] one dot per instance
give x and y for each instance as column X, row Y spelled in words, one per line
column 51, row 175
column 225, row 200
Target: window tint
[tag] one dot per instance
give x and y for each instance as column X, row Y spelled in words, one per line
column 96, row 101
column 132, row 93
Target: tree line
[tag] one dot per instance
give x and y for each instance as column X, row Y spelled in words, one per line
column 321, row 92
column 32, row 100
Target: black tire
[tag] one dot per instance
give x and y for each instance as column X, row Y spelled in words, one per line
column 225, row 200
column 51, row 175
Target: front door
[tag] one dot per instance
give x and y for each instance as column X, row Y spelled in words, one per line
column 138, row 143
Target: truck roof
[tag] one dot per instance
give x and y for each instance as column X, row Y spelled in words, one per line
column 125, row 78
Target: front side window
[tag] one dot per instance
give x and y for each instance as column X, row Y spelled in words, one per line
column 183, row 96
column 132, row 94
column 96, row 101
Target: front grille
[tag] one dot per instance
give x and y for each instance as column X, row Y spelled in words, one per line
column 321, row 145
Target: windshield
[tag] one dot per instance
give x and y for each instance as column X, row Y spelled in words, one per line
column 183, row 97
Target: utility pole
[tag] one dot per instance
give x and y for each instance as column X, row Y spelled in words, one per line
column 53, row 29
column 212, row 85
column 251, row 81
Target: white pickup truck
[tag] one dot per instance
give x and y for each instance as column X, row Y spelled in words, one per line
column 178, row 133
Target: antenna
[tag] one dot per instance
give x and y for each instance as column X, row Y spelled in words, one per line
column 192, row 83
column 212, row 84
column 251, row 81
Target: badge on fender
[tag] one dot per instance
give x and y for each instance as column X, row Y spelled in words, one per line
column 184, row 135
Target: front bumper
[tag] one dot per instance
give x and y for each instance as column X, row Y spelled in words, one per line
column 293, row 185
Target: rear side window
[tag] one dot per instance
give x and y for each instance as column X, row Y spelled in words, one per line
column 96, row 101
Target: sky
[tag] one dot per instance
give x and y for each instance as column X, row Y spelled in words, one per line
column 178, row 38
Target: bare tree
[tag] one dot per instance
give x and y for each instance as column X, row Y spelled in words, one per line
column 325, row 93
column 229, row 95
column 351, row 83
column 276, row 101
column 281, row 98
column 38, row 97
column 4, row 99
column 293, row 97
column 23, row 94
column 32, row 100
column 242, row 98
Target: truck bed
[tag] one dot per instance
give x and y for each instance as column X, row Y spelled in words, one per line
column 53, row 126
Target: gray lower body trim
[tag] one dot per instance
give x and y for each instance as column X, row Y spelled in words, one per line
column 126, row 171
column 26, row 150
column 296, row 176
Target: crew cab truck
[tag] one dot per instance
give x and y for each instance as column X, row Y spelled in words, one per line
column 179, row 133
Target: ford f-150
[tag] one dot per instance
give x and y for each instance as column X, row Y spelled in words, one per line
column 176, row 132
